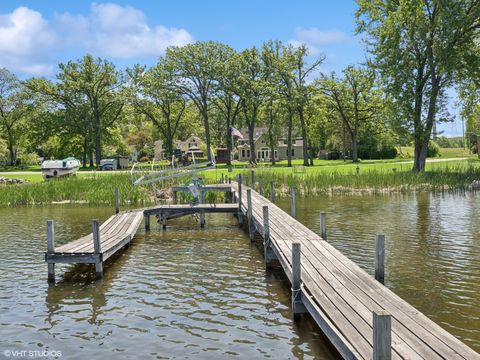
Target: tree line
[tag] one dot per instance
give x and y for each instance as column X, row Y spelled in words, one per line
column 416, row 51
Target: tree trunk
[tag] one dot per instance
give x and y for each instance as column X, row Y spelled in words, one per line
column 11, row 151
column 311, row 152
column 251, row 130
column 98, row 142
column 229, row 143
column 272, row 146
column 92, row 164
column 207, row 135
column 289, row 138
column 304, row 136
column 421, row 151
column 354, row 147
column 85, row 150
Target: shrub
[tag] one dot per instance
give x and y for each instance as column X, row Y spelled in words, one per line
column 28, row 159
column 433, row 149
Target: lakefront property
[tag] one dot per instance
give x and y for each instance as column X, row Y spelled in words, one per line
column 235, row 181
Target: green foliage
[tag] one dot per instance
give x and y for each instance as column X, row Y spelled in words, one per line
column 28, row 159
column 433, row 149
column 420, row 48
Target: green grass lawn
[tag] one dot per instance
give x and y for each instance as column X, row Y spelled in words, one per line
column 408, row 151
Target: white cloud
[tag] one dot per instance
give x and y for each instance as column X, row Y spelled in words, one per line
column 25, row 38
column 119, row 31
column 31, row 45
column 315, row 39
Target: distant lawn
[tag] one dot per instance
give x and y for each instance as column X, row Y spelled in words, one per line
column 408, row 151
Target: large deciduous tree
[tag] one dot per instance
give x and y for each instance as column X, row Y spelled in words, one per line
column 420, row 47
column 252, row 88
column 14, row 108
column 100, row 84
column 195, row 68
column 154, row 96
column 355, row 100
column 227, row 95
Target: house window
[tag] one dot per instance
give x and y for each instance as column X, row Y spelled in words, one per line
column 248, row 153
column 243, row 153
column 293, row 152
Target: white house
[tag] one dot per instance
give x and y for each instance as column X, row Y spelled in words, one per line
column 263, row 152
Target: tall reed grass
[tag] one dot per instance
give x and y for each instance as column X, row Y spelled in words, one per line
column 446, row 178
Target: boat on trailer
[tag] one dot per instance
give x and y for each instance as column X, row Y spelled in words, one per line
column 58, row 168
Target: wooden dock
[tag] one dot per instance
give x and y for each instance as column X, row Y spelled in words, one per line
column 97, row 247
column 118, row 231
column 362, row 318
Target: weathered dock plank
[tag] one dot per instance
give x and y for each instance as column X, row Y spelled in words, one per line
column 344, row 297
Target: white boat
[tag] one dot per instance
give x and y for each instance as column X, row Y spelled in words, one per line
column 57, row 168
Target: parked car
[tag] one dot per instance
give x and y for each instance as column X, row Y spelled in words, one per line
column 114, row 163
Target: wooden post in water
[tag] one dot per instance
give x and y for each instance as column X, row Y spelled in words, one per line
column 293, row 209
column 297, row 305
column 117, row 201
column 251, row 230
column 260, row 186
column 253, row 180
column 202, row 212
column 147, row 222
column 382, row 335
column 51, row 249
column 380, row 258
column 272, row 192
column 163, row 218
column 97, row 248
column 323, row 225
column 267, row 249
column 239, row 198
column 221, row 181
column 174, row 196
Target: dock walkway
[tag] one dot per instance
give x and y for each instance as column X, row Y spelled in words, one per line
column 340, row 296
column 360, row 316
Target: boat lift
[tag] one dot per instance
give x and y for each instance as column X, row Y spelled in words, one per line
column 153, row 175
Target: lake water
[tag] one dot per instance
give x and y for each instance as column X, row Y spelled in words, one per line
column 432, row 249
column 185, row 293
column 204, row 294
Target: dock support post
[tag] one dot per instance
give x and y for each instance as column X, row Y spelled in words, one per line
column 267, row 249
column 163, row 218
column 97, row 248
column 382, row 335
column 294, row 203
column 147, row 222
column 174, row 197
column 272, row 192
column 251, row 228
column 323, row 225
column 51, row 249
column 297, row 305
column 380, row 258
column 260, row 186
column 253, row 180
column 117, row 201
column 202, row 212
column 221, row 181
column 239, row 198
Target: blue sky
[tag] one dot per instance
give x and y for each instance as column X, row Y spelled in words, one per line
column 36, row 35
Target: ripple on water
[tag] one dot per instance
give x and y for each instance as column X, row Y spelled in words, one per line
column 183, row 293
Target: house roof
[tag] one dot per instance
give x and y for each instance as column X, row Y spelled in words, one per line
column 257, row 133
